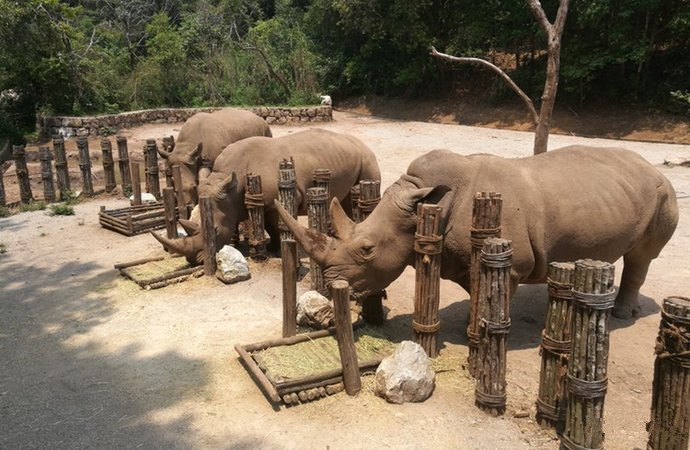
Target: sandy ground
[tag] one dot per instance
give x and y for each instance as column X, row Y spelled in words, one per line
column 87, row 359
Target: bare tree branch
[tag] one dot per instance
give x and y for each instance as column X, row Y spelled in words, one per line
column 540, row 15
column 504, row 76
column 559, row 23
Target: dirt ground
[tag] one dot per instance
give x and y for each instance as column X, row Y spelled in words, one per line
column 87, row 359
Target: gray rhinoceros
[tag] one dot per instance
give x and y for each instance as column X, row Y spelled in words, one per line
column 203, row 136
column 568, row 204
column 348, row 159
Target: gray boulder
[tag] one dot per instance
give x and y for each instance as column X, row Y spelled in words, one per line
column 405, row 376
column 232, row 267
column 314, row 310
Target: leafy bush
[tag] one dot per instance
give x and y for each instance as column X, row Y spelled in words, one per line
column 5, row 211
column 61, row 210
column 32, row 206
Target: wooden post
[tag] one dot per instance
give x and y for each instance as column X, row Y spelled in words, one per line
column 23, row 180
column 340, row 290
column 370, row 195
column 170, row 214
column 486, row 223
column 208, row 232
column 136, row 183
column 168, row 146
column 254, row 201
column 317, row 207
column 354, row 203
column 3, row 198
column 494, row 324
column 287, row 194
column 428, row 245
column 593, row 295
column 125, row 174
column 85, row 164
column 322, row 179
column 288, row 252
column 47, row 174
column 177, row 183
column 108, row 164
column 152, row 181
column 669, row 427
column 555, row 346
column 61, row 168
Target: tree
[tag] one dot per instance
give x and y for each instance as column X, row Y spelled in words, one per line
column 553, row 32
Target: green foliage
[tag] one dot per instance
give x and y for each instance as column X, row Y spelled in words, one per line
column 31, row 206
column 61, row 210
column 5, row 212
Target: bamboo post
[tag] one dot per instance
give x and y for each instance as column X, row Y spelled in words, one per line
column 168, row 146
column 254, row 201
column 125, row 174
column 47, row 174
column 354, row 203
column 486, row 223
column 3, row 198
column 555, row 346
column 85, row 164
column 23, row 180
column 370, row 195
column 177, row 183
column 61, row 168
column 669, row 427
column 287, row 194
column 317, row 207
column 170, row 215
column 209, row 235
column 136, row 183
column 322, row 179
column 288, row 251
column 340, row 290
column 494, row 323
column 108, row 164
column 152, row 181
column 428, row 245
column 593, row 295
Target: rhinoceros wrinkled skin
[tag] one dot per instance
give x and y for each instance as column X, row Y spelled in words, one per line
column 568, row 204
column 348, row 159
column 203, row 137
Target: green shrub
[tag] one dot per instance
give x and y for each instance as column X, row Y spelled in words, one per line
column 5, row 211
column 33, row 206
column 61, row 210
column 70, row 198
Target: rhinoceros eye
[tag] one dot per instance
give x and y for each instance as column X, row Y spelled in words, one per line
column 366, row 250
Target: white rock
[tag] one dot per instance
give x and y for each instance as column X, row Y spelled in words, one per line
column 146, row 197
column 405, row 376
column 326, row 100
column 232, row 267
column 314, row 310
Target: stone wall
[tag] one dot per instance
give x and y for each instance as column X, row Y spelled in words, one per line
column 111, row 123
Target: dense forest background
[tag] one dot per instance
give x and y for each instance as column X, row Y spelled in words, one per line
column 101, row 56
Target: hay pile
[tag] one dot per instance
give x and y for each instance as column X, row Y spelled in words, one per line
column 156, row 269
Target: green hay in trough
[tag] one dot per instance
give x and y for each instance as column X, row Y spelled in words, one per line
column 155, row 269
column 320, row 355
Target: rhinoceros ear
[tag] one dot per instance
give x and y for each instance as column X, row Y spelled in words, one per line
column 197, row 151
column 230, row 183
column 427, row 195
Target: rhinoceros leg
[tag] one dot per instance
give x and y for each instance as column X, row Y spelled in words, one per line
column 635, row 267
column 271, row 224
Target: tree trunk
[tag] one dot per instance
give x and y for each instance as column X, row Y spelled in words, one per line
column 548, row 99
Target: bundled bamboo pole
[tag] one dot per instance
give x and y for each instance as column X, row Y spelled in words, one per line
column 254, row 201
column 669, row 427
column 370, row 195
column 322, row 179
column 177, row 183
column 486, row 223
column 288, row 251
column 123, row 161
column 428, row 245
column 168, row 146
column 340, row 290
column 354, row 203
column 152, row 181
column 494, row 323
column 61, row 168
column 555, row 345
column 136, row 183
column 108, row 164
column 287, row 194
column 209, row 235
column 317, row 207
column 19, row 156
column 170, row 214
column 85, row 164
column 593, row 295
column 47, row 174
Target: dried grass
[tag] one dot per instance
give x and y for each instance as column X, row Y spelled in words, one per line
column 155, row 269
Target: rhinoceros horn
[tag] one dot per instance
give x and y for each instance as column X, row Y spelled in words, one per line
column 190, row 227
column 313, row 242
column 344, row 227
column 187, row 247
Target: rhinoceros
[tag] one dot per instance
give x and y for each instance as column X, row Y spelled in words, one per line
column 572, row 203
column 203, row 136
column 348, row 159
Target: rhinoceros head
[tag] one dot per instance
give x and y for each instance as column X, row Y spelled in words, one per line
column 226, row 208
column 188, row 157
column 372, row 254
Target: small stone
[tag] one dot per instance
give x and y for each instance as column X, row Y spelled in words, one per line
column 146, row 197
column 314, row 310
column 232, row 267
column 405, row 376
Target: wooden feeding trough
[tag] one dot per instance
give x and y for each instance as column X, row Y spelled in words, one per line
column 157, row 272
column 306, row 367
column 133, row 220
